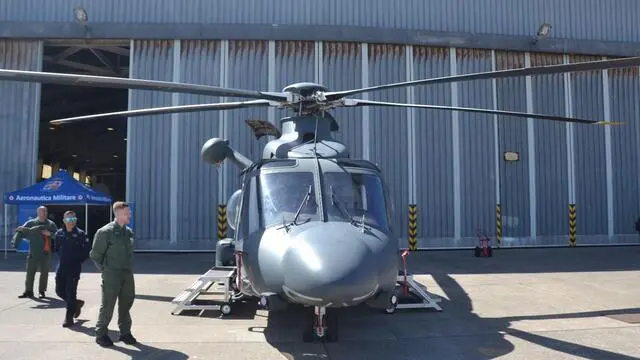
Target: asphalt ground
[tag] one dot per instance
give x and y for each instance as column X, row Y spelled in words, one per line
column 559, row 303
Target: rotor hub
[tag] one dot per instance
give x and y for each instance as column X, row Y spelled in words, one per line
column 305, row 89
column 306, row 98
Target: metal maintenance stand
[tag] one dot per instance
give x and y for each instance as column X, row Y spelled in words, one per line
column 411, row 294
column 411, row 290
column 218, row 276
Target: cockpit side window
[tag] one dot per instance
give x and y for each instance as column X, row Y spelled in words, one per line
column 282, row 194
column 354, row 197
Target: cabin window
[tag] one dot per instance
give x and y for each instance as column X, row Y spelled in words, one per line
column 249, row 217
column 352, row 196
column 252, row 207
column 283, row 193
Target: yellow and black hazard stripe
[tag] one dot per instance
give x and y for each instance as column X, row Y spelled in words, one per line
column 413, row 226
column 572, row 225
column 498, row 225
column 222, row 221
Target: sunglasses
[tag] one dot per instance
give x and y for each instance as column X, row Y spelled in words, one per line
column 70, row 219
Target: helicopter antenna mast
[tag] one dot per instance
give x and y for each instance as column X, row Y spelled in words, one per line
column 315, row 138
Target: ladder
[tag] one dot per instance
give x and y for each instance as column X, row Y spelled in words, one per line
column 424, row 299
column 219, row 278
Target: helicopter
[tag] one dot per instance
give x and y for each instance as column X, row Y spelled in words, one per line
column 312, row 226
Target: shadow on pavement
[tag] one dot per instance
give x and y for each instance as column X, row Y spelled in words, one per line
column 48, row 303
column 137, row 351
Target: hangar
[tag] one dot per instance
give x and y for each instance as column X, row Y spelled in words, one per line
column 526, row 183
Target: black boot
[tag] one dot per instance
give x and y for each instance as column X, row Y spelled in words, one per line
column 26, row 294
column 104, row 340
column 42, row 294
column 79, row 305
column 68, row 319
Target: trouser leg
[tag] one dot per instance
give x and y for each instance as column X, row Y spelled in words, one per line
column 110, row 290
column 32, row 266
column 125, row 302
column 71, row 288
column 45, row 265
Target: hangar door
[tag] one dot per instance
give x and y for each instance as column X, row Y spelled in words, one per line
column 533, row 163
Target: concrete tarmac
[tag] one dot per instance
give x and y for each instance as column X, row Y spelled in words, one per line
column 563, row 303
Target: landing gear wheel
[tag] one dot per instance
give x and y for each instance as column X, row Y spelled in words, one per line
column 477, row 251
column 225, row 309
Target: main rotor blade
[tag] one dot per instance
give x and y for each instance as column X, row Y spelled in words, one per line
column 358, row 102
column 168, row 110
column 539, row 70
column 124, row 83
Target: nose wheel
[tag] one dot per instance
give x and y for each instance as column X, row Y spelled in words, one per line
column 322, row 327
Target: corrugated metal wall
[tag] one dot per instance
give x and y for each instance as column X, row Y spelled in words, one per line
column 248, row 68
column 477, row 147
column 451, row 165
column 433, row 148
column 388, row 127
column 19, row 117
column 551, row 174
column 149, row 142
column 542, row 172
column 590, row 163
column 513, row 137
column 342, row 69
column 576, row 19
column 624, row 87
column 197, row 182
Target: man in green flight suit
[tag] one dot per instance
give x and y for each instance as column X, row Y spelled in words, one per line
column 112, row 252
column 39, row 232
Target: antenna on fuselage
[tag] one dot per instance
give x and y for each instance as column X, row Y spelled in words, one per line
column 315, row 138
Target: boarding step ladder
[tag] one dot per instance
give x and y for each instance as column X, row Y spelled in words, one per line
column 219, row 278
column 416, row 297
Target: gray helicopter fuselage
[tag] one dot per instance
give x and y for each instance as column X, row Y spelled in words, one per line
column 338, row 251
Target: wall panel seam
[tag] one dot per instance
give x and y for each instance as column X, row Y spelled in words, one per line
column 128, row 173
column 455, row 130
column 175, row 149
column 366, row 136
column 223, row 124
column 531, row 146
column 608, row 155
column 411, row 133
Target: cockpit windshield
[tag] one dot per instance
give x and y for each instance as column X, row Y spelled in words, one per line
column 282, row 194
column 350, row 196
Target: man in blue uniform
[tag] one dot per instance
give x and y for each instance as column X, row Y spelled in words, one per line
column 73, row 246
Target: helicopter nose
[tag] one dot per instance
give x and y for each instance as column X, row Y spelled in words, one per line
column 322, row 268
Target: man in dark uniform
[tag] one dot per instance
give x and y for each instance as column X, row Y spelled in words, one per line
column 72, row 246
column 112, row 252
column 38, row 232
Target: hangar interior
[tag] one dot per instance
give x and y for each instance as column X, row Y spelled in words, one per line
column 93, row 151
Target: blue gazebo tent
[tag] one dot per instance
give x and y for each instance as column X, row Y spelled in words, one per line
column 59, row 189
